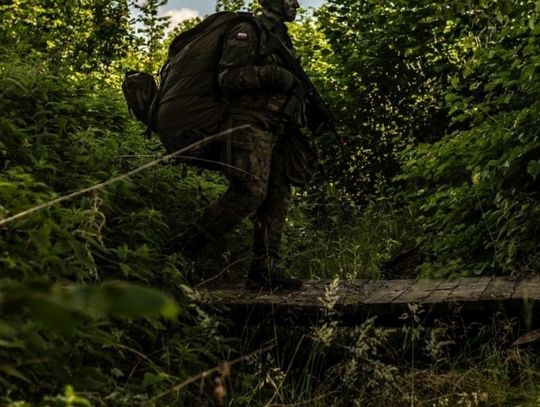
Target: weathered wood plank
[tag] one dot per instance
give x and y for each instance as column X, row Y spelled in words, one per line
column 379, row 301
column 419, row 291
column 527, row 290
column 499, row 289
column 470, row 289
column 353, row 290
column 443, row 291
column 474, row 298
column 388, row 291
column 357, row 294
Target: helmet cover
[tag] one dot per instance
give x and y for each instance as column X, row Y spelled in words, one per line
column 286, row 9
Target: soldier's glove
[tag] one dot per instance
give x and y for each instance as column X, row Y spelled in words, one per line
column 272, row 75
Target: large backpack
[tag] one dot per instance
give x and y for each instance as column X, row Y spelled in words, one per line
column 190, row 100
column 140, row 90
column 189, row 104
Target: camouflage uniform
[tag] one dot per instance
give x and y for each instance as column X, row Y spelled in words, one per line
column 258, row 182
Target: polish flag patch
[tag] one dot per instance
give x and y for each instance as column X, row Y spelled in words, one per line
column 242, row 36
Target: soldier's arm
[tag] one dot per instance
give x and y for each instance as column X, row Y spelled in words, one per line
column 238, row 69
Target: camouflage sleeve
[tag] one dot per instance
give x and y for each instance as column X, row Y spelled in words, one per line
column 237, row 67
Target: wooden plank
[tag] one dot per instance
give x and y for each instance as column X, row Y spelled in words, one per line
column 527, row 290
column 351, row 291
column 309, row 295
column 443, row 291
column 388, row 291
column 475, row 298
column 499, row 289
column 379, row 301
column 312, row 293
column 419, row 291
column 470, row 289
column 359, row 295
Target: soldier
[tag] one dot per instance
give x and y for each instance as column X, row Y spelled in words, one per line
column 257, row 87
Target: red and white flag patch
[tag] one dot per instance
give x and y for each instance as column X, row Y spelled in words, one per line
column 242, row 36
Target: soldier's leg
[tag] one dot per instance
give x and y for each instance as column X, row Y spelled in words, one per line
column 248, row 178
column 268, row 228
column 271, row 215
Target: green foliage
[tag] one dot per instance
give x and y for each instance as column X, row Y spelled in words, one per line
column 61, row 308
column 335, row 241
column 389, row 68
column 151, row 31
column 85, row 35
column 440, row 105
column 423, row 366
column 235, row 5
column 440, row 108
column 61, row 133
column 475, row 191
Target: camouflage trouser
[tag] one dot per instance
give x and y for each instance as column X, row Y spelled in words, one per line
column 258, row 184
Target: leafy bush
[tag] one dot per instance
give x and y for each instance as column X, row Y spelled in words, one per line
column 440, row 106
column 446, row 98
column 64, row 319
column 389, row 67
column 82, row 35
column 475, row 192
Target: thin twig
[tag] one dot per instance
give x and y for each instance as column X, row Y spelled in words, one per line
column 141, row 355
column 132, row 372
column 222, row 164
column 208, row 372
column 120, row 177
column 225, row 270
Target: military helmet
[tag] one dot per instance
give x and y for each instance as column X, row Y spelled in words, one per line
column 278, row 7
column 275, row 6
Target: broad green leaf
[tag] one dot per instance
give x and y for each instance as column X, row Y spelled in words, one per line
column 133, row 301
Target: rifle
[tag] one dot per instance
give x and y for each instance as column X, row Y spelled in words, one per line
column 320, row 118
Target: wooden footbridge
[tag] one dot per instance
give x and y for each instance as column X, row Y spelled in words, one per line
column 351, row 303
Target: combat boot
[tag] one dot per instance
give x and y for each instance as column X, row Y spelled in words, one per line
column 265, row 274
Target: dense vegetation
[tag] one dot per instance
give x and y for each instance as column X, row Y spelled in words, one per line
column 440, row 104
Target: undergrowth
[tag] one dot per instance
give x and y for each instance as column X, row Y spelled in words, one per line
column 69, row 316
column 445, row 364
column 351, row 244
column 95, row 310
column 74, row 332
